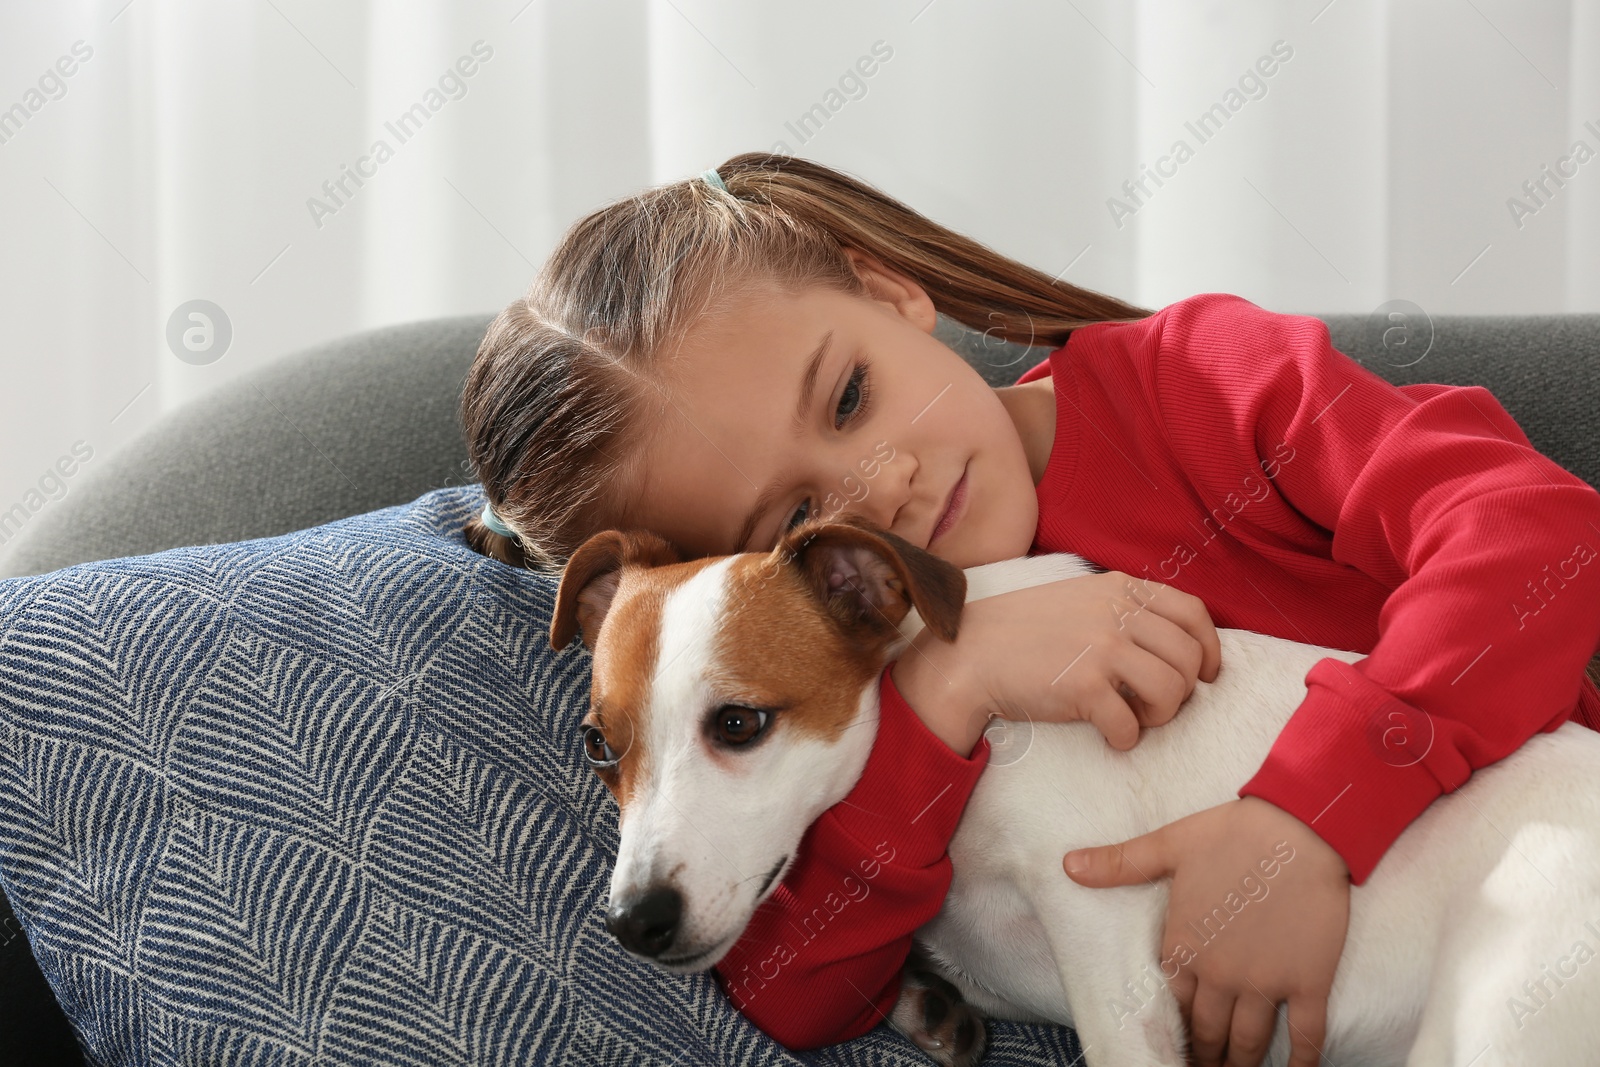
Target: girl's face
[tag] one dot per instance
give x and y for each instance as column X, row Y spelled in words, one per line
column 888, row 420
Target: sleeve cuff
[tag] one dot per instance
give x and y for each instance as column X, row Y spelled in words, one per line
column 1357, row 764
column 913, row 789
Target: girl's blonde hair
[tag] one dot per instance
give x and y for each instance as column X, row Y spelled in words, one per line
column 557, row 406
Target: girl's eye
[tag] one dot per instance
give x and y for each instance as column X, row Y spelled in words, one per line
column 798, row 517
column 737, row 726
column 853, row 404
column 855, row 393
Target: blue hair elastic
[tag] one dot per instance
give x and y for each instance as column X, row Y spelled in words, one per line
column 714, row 178
column 491, row 520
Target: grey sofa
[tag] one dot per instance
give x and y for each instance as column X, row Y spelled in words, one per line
column 369, row 421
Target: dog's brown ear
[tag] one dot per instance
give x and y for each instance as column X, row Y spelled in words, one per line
column 589, row 581
column 870, row 579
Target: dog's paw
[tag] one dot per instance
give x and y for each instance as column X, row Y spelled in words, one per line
column 933, row 1015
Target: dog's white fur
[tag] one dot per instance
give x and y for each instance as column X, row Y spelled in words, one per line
column 666, row 832
column 1484, row 896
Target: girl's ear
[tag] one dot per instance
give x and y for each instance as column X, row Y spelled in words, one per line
column 869, row 579
column 891, row 287
column 589, row 581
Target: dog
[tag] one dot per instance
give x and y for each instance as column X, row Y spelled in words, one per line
column 735, row 699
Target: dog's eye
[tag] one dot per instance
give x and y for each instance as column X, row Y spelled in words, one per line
column 596, row 749
column 737, row 725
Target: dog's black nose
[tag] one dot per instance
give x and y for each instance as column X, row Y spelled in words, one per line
column 647, row 923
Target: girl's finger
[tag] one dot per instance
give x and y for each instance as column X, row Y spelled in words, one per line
column 1150, row 685
column 1113, row 717
column 1210, row 1021
column 1183, row 986
column 1254, row 1019
column 1308, row 1021
column 1188, row 612
column 1170, row 643
column 1134, row 862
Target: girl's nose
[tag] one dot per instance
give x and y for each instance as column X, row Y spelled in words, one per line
column 880, row 492
column 889, row 503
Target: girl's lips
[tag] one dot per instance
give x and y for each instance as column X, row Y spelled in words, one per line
column 953, row 510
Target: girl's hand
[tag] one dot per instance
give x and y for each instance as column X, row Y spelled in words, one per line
column 1283, row 932
column 1105, row 648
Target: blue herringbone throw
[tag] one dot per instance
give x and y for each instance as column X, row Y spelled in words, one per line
column 319, row 799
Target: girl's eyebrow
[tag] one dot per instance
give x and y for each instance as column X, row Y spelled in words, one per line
column 808, row 386
column 808, row 382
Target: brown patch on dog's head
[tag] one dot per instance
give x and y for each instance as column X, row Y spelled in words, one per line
column 819, row 614
column 810, row 623
column 612, row 568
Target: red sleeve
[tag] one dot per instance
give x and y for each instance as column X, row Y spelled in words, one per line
column 820, row 961
column 1485, row 542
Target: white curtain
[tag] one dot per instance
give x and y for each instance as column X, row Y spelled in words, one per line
column 184, row 158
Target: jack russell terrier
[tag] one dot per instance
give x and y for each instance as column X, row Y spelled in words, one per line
column 748, row 685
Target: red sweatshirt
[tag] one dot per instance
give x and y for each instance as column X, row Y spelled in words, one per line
column 1234, row 454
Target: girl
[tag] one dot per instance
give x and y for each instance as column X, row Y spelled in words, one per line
column 721, row 358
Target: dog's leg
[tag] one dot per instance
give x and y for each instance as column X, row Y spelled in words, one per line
column 932, row 1013
column 1107, row 944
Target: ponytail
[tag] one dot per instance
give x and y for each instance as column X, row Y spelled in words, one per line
column 967, row 281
